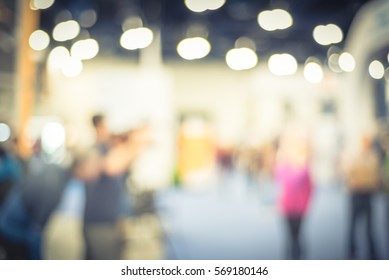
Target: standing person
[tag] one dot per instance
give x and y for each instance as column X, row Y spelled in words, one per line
column 10, row 172
column 107, row 198
column 362, row 172
column 63, row 236
column 27, row 208
column 385, row 180
column 293, row 175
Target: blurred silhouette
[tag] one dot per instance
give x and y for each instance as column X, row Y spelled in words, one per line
column 107, row 198
column 27, row 208
column 10, row 171
column 362, row 171
column 64, row 233
column 292, row 172
column 384, row 148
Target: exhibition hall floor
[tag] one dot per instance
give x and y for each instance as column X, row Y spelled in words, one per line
column 240, row 220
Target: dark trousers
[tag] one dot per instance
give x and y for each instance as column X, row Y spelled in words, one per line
column 294, row 243
column 387, row 224
column 361, row 209
column 11, row 250
column 102, row 241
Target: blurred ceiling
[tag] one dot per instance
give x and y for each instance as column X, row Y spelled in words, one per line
column 223, row 27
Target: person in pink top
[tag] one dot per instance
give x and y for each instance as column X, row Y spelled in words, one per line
column 292, row 172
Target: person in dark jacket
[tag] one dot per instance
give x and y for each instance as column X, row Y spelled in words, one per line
column 27, row 208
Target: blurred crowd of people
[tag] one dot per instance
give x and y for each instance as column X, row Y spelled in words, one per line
column 91, row 194
column 288, row 160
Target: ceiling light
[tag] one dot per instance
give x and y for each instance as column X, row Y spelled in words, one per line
column 327, row 34
column 241, row 59
column 275, row 20
column 85, row 49
column 282, row 64
column 193, row 48
column 39, row 40
column 5, row 132
column 347, row 62
column 41, row 4
column 88, row 18
column 333, row 63
column 137, row 38
column 58, row 57
column 199, row 6
column 313, row 72
column 376, row 70
column 66, row 30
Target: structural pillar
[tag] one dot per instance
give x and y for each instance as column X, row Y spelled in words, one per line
column 28, row 21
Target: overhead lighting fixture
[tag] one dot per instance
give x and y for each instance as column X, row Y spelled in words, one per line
column 85, row 49
column 347, row 62
column 245, row 42
column 137, row 38
column 193, row 48
column 5, row 132
column 200, row 6
column 241, row 59
column 39, row 40
column 41, row 4
column 277, row 19
column 132, row 22
column 88, row 18
column 66, row 30
column 313, row 72
column 327, row 34
column 72, row 67
column 58, row 57
column 376, row 70
column 282, row 64
column 333, row 63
